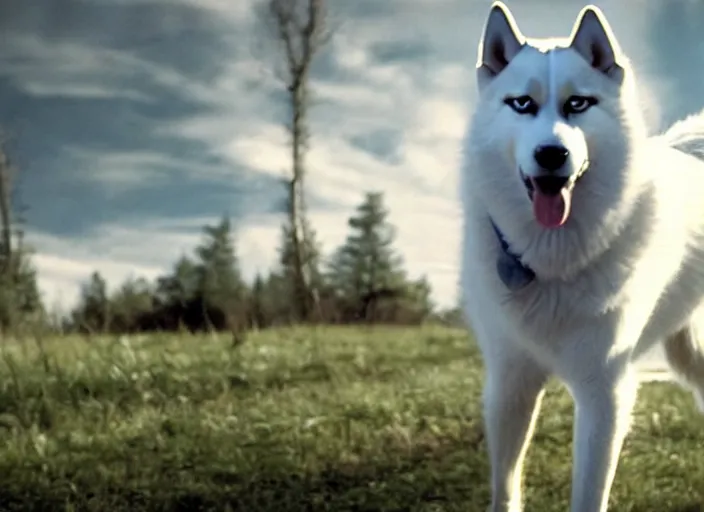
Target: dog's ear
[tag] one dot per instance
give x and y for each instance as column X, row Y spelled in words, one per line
column 593, row 39
column 500, row 43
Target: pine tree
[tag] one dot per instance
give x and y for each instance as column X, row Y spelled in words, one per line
column 93, row 311
column 181, row 286
column 259, row 310
column 207, row 291
column 220, row 282
column 176, row 297
column 131, row 305
column 366, row 269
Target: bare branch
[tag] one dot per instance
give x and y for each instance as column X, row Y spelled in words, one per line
column 283, row 20
column 6, row 172
column 299, row 29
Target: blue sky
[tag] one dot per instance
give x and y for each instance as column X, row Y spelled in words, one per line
column 135, row 122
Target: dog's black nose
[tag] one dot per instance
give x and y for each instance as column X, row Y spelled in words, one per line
column 551, row 158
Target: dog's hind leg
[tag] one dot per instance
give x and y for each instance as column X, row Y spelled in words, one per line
column 684, row 352
column 512, row 394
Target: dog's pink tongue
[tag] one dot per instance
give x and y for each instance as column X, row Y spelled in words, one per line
column 551, row 211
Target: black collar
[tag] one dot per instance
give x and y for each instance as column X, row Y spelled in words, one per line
column 514, row 274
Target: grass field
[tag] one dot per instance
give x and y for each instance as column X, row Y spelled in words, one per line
column 332, row 419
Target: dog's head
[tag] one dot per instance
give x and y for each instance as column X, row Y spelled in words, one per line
column 550, row 118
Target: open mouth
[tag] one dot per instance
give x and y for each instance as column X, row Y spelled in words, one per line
column 551, row 197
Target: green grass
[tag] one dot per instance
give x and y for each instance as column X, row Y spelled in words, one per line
column 331, row 419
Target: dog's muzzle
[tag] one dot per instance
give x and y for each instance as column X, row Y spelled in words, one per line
column 551, row 185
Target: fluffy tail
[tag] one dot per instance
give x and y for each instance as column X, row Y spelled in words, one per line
column 687, row 135
column 684, row 351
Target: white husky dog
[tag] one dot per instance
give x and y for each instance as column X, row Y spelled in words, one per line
column 583, row 244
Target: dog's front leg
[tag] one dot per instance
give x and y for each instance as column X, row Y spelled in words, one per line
column 603, row 406
column 512, row 394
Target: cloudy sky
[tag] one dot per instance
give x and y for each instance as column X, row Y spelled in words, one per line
column 135, row 122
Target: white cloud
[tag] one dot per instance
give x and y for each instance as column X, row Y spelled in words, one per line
column 72, row 90
column 125, row 171
column 240, row 10
column 61, row 68
column 60, row 277
column 68, row 68
column 117, row 252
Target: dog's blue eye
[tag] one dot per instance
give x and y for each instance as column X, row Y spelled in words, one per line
column 579, row 104
column 522, row 105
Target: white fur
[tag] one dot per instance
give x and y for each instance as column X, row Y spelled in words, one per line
column 624, row 273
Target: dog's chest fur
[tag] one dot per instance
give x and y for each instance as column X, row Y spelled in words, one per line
column 643, row 279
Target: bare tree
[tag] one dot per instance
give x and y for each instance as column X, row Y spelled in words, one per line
column 6, row 221
column 300, row 31
column 20, row 299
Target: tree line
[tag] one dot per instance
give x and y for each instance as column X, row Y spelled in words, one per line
column 363, row 281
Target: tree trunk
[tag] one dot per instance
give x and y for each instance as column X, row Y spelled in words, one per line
column 297, row 210
column 5, row 214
